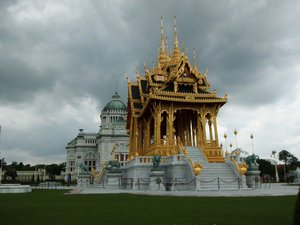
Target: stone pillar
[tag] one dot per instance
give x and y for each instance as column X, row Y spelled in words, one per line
column 253, row 179
column 114, row 180
column 197, row 184
column 156, row 181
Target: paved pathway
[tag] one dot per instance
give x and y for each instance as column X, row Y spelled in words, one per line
column 274, row 190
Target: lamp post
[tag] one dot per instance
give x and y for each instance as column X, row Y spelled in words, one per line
column 276, row 172
column 225, row 136
column 251, row 136
column 235, row 133
column 1, row 168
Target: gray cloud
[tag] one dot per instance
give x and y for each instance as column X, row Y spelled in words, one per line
column 60, row 60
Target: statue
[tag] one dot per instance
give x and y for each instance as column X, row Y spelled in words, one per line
column 83, row 168
column 251, row 161
column 156, row 162
column 112, row 165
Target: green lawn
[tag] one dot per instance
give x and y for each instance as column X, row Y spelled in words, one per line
column 52, row 207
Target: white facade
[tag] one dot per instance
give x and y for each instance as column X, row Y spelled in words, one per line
column 92, row 149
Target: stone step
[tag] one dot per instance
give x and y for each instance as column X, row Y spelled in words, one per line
column 210, row 172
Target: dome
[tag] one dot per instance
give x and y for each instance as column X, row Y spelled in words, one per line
column 115, row 104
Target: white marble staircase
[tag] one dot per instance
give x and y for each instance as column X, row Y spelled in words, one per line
column 214, row 176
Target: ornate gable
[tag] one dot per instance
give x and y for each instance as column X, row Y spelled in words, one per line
column 173, row 78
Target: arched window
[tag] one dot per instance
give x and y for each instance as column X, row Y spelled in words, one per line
column 90, row 161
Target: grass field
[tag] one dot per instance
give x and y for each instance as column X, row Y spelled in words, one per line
column 52, row 207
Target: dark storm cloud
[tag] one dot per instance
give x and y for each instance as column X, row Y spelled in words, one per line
column 54, row 55
column 20, row 83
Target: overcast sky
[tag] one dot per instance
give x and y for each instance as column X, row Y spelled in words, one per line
column 60, row 61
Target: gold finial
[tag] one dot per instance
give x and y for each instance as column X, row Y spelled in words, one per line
column 206, row 72
column 235, row 133
column 194, row 51
column 162, row 56
column 183, row 46
column 175, row 34
column 167, row 44
column 162, row 40
column 225, row 135
column 176, row 51
column 127, row 78
column 136, row 71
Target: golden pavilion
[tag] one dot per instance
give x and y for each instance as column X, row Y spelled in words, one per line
column 171, row 105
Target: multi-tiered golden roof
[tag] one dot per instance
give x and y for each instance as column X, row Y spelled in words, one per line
column 172, row 105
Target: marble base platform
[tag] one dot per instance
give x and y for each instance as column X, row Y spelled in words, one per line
column 14, row 188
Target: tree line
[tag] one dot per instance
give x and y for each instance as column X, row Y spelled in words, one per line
column 290, row 162
column 51, row 169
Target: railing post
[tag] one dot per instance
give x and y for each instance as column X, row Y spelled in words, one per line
column 239, row 183
column 219, row 183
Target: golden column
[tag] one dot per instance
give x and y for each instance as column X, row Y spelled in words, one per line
column 210, row 130
column 203, row 119
column 170, row 130
column 136, row 134
column 147, row 134
column 157, row 120
column 215, row 129
column 199, row 130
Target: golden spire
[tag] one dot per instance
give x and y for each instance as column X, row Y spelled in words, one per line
column 162, row 39
column 167, row 50
column 162, row 57
column 175, row 35
column 195, row 65
column 167, row 44
column 176, row 51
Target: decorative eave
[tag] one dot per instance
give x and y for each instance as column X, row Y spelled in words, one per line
column 189, row 98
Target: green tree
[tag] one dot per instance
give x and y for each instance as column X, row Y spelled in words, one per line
column 266, row 167
column 287, row 158
column 10, row 172
column 55, row 169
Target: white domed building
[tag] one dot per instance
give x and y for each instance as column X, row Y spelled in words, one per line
column 91, row 149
